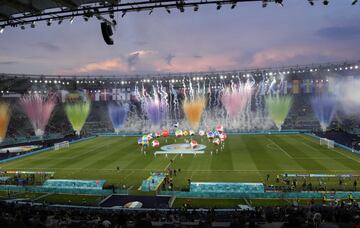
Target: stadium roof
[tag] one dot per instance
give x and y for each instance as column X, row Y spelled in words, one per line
column 22, row 12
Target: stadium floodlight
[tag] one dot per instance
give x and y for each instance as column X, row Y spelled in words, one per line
column 354, row 2
column 326, row 2
column 196, row 7
column 264, row 3
column 311, row 2
column 72, row 19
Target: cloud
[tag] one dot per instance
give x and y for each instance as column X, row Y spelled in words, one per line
column 47, row 46
column 111, row 65
column 133, row 59
column 8, row 62
column 302, row 54
column 122, row 64
column 141, row 43
column 206, row 63
column 339, row 33
column 169, row 58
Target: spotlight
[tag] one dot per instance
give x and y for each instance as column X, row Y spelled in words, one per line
column 311, row 2
column 196, row 7
column 354, row 2
column 72, row 19
column 218, row 6
column 264, row 3
column 32, row 24
column 326, row 2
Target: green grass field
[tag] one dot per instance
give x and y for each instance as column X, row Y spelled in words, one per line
column 246, row 158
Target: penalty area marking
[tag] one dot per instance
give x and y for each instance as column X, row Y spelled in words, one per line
column 274, row 143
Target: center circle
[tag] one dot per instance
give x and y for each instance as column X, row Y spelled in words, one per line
column 182, row 146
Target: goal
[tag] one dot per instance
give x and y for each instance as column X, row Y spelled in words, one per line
column 327, row 142
column 64, row 144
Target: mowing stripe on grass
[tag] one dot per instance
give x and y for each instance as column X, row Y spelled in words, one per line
column 281, row 149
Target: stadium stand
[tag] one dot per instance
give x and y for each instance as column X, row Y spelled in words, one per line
column 26, row 215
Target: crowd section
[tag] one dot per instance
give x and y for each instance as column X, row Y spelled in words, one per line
column 26, row 215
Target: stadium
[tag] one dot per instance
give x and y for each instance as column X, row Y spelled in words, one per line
column 274, row 146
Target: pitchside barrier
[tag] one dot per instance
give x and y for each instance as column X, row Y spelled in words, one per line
column 40, row 189
column 264, row 195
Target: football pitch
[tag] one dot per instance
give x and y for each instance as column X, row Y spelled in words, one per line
column 245, row 158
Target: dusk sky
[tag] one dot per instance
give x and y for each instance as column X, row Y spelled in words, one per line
column 246, row 37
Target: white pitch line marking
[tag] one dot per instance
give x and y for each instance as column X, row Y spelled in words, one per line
column 274, row 143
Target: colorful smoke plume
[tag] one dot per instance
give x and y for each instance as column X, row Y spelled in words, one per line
column 235, row 99
column 4, row 120
column 38, row 109
column 278, row 108
column 118, row 115
column 77, row 114
column 324, row 108
column 154, row 110
column 193, row 110
column 348, row 96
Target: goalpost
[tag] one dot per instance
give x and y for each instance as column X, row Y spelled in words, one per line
column 64, row 144
column 327, row 142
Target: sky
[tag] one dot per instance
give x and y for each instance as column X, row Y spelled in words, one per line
column 248, row 36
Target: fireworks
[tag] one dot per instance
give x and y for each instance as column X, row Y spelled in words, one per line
column 324, row 108
column 77, row 114
column 193, row 110
column 118, row 115
column 279, row 107
column 236, row 99
column 4, row 119
column 38, row 108
column 155, row 110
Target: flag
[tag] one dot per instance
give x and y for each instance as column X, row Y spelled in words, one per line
column 296, row 87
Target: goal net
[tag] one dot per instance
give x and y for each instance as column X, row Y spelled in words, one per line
column 64, row 144
column 327, row 142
